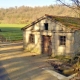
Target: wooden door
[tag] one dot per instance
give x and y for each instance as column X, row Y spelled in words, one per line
column 46, row 45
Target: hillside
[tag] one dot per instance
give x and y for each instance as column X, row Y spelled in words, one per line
column 25, row 14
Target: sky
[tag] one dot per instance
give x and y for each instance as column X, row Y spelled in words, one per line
column 32, row 3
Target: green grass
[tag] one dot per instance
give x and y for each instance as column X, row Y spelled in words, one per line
column 12, row 32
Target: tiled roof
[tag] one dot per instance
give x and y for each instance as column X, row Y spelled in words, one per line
column 70, row 22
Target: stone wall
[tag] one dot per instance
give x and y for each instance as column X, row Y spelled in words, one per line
column 32, row 47
column 77, row 41
column 58, row 49
column 55, row 30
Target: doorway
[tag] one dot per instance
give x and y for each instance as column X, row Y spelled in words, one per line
column 46, row 45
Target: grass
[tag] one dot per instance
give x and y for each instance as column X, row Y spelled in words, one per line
column 12, row 32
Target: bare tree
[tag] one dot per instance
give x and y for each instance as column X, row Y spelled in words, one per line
column 74, row 4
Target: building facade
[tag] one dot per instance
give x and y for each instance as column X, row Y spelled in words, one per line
column 52, row 36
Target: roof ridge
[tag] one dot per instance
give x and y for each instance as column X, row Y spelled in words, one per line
column 65, row 20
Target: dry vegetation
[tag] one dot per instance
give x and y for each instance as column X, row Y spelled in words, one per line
column 25, row 14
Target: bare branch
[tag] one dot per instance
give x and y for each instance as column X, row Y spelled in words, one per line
column 76, row 4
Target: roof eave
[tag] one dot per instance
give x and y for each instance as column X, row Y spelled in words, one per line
column 33, row 23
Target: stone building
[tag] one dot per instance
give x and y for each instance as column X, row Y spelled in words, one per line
column 52, row 35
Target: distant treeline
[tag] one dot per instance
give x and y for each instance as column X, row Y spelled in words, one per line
column 25, row 14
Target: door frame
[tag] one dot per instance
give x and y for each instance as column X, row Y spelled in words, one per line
column 49, row 41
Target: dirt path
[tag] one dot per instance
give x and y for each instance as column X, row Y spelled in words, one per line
column 18, row 65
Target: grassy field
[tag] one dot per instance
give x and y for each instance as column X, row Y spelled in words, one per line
column 12, row 32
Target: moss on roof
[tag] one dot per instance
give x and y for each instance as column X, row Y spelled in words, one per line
column 67, row 21
column 71, row 22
